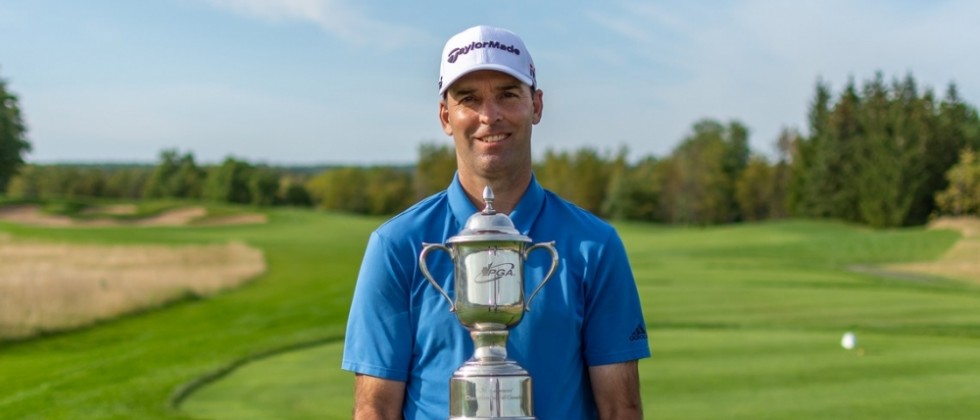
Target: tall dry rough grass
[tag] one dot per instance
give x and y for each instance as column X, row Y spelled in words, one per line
column 50, row 287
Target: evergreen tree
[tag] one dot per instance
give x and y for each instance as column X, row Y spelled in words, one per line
column 878, row 156
column 837, row 154
column 954, row 126
column 887, row 153
column 13, row 136
column 807, row 169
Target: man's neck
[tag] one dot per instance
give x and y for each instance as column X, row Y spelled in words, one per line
column 507, row 191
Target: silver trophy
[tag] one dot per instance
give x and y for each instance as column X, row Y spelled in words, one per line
column 489, row 255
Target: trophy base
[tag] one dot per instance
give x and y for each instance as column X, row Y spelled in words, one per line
column 490, row 390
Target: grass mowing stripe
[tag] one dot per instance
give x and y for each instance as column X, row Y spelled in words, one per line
column 804, row 374
column 286, row 386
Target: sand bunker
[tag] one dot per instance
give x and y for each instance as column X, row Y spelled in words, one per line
column 33, row 215
column 961, row 262
column 50, row 287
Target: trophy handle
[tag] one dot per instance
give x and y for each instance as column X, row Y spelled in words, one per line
column 425, row 270
column 550, row 246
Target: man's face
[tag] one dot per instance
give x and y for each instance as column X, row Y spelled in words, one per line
column 489, row 114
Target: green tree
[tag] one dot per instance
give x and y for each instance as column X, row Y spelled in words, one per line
column 824, row 164
column 617, row 203
column 176, row 176
column 699, row 177
column 882, row 178
column 188, row 181
column 435, row 169
column 126, row 182
column 877, row 156
column 838, row 152
column 755, row 188
column 26, row 184
column 645, row 184
column 292, row 192
column 962, row 196
column 555, row 172
column 807, row 159
column 389, row 190
column 581, row 177
column 955, row 126
column 13, row 136
column 229, row 182
column 786, row 146
column 340, row 189
column 263, row 184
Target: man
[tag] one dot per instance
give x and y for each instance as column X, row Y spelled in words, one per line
column 580, row 341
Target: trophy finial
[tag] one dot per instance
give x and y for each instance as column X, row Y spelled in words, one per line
column 488, row 199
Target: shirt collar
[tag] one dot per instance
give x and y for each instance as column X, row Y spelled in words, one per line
column 523, row 216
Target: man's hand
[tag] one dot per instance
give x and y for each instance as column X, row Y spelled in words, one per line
column 616, row 388
column 377, row 399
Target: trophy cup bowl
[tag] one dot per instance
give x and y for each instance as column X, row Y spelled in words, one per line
column 488, row 257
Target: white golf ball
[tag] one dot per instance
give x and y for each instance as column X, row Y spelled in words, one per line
column 848, row 341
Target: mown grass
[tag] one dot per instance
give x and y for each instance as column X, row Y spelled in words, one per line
column 745, row 322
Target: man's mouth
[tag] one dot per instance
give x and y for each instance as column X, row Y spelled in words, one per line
column 493, row 138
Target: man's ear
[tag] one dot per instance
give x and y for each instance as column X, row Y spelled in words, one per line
column 537, row 101
column 444, row 117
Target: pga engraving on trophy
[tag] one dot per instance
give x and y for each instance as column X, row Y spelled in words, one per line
column 488, row 258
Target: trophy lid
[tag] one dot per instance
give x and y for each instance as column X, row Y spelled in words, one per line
column 488, row 225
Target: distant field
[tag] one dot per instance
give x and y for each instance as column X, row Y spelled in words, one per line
column 745, row 322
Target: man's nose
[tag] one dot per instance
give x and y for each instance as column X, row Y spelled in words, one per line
column 489, row 112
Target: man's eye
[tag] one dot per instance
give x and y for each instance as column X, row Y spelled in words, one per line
column 467, row 99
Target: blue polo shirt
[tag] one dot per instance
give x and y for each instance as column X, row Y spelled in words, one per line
column 589, row 314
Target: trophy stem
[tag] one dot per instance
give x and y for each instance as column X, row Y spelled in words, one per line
column 490, row 346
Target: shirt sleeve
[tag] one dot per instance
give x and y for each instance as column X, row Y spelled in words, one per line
column 614, row 330
column 378, row 341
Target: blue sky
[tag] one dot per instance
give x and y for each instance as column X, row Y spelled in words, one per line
column 343, row 81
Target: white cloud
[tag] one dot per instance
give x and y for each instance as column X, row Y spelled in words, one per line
column 333, row 16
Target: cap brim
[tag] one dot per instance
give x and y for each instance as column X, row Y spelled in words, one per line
column 489, row 66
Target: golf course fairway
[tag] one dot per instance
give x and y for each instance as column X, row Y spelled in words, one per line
column 745, row 321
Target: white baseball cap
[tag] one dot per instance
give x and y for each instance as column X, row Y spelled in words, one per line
column 485, row 48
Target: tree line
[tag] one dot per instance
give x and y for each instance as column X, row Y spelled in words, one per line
column 881, row 154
